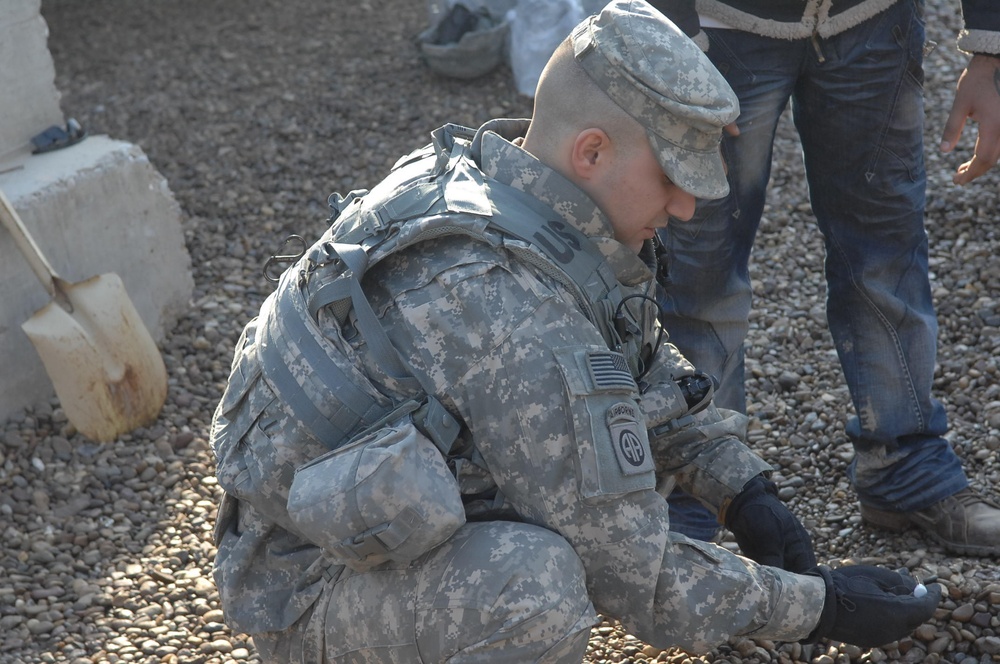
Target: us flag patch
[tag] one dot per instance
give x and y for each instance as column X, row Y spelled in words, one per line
column 609, row 371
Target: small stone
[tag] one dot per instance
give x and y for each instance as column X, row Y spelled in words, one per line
column 852, row 651
column 939, row 645
column 989, row 645
column 38, row 627
column 10, row 622
column 182, row 440
column 788, row 381
column 649, row 651
column 216, row 616
column 963, row 613
column 163, row 575
column 41, row 500
column 745, row 647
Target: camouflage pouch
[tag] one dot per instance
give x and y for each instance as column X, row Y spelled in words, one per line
column 387, row 496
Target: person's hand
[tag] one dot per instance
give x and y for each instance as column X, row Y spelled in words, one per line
column 870, row 606
column 766, row 530
column 977, row 97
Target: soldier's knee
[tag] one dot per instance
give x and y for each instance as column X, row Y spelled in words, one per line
column 547, row 570
column 532, row 593
column 544, row 600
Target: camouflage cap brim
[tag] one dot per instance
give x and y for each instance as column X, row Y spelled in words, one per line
column 701, row 174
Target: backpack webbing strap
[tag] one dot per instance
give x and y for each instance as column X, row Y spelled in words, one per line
column 297, row 366
column 322, row 395
column 348, row 284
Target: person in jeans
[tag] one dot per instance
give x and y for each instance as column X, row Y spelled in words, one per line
column 853, row 72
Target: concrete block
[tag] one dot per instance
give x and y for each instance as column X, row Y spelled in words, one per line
column 93, row 208
column 29, row 100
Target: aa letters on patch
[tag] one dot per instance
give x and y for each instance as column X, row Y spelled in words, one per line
column 626, row 440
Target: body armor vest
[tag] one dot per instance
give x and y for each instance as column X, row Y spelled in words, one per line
column 433, row 192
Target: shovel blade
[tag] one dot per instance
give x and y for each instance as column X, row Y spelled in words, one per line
column 105, row 367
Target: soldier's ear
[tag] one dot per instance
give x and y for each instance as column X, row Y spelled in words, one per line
column 591, row 153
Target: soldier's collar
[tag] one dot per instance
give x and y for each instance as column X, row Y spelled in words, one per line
column 497, row 155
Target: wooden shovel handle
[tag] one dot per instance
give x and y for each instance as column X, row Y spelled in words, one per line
column 43, row 270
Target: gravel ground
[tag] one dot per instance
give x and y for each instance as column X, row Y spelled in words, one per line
column 255, row 113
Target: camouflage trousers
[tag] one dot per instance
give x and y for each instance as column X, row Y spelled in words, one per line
column 495, row 592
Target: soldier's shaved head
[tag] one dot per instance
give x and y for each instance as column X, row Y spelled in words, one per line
column 568, row 101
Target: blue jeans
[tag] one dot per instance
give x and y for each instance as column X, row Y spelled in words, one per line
column 858, row 110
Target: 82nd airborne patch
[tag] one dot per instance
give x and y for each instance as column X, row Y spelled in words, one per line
column 627, row 440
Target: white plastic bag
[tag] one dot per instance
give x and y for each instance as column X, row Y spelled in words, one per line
column 536, row 28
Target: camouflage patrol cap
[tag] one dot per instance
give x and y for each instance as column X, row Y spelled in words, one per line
column 660, row 77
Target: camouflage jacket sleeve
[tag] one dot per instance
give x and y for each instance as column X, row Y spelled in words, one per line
column 703, row 451
column 556, row 424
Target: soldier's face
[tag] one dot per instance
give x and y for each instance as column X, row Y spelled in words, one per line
column 639, row 198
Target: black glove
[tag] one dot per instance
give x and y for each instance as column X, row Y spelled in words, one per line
column 766, row 530
column 870, row 606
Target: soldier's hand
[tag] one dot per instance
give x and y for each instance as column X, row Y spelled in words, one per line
column 766, row 530
column 870, row 606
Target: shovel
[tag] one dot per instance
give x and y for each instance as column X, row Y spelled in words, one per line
column 104, row 365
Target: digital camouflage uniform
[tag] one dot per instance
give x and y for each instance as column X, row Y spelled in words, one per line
column 555, row 463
